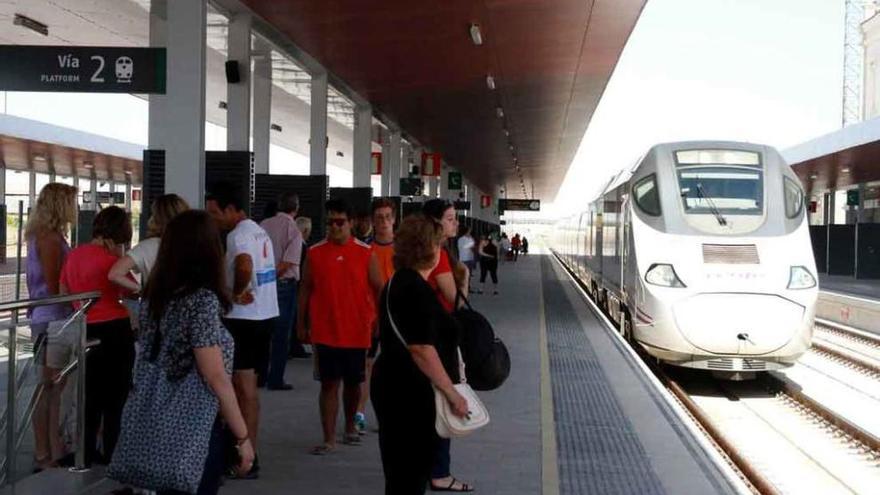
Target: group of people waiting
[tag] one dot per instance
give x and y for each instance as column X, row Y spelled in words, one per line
column 190, row 302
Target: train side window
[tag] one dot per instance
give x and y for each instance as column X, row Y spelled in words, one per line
column 646, row 196
column 794, row 198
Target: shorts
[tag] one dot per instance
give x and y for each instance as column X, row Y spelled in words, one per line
column 252, row 339
column 339, row 363
column 472, row 266
column 60, row 347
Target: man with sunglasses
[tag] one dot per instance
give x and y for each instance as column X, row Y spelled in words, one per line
column 336, row 314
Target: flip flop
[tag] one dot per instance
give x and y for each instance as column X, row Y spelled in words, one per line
column 322, row 449
column 462, row 487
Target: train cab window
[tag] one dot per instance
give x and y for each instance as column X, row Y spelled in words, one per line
column 721, row 182
column 646, row 197
column 794, row 198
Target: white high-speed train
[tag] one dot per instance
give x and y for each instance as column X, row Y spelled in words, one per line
column 701, row 253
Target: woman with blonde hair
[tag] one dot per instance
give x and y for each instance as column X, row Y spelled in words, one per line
column 141, row 258
column 47, row 248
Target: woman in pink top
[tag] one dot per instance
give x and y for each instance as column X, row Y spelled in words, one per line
column 109, row 364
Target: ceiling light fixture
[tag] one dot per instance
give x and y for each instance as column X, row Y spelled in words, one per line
column 88, row 165
column 506, row 132
column 476, row 35
column 499, row 112
column 845, row 170
column 814, row 176
column 31, row 24
column 490, row 81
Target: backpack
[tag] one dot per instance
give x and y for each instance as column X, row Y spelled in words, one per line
column 486, row 360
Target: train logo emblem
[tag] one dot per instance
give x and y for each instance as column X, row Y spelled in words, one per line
column 124, row 69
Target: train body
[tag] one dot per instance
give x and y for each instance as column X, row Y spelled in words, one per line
column 701, row 253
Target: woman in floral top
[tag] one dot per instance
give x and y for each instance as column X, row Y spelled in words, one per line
column 181, row 318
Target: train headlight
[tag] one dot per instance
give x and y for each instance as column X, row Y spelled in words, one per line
column 801, row 278
column 663, row 275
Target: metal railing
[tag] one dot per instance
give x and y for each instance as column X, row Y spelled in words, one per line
column 15, row 431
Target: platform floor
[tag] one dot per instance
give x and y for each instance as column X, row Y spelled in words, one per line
column 576, row 415
column 850, row 286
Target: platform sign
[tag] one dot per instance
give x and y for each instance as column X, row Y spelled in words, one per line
column 519, row 205
column 852, row 197
column 462, row 205
column 85, row 69
column 104, row 197
column 411, row 187
column 454, row 181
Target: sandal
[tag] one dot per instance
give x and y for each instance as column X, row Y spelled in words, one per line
column 322, row 449
column 351, row 439
column 462, row 487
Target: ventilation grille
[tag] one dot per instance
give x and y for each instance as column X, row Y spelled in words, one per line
column 730, row 364
column 720, row 364
column 731, row 254
column 754, row 364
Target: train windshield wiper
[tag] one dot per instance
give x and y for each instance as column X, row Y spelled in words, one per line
column 714, row 209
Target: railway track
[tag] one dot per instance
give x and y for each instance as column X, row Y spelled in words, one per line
column 775, row 433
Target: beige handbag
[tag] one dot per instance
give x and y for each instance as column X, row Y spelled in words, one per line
column 447, row 424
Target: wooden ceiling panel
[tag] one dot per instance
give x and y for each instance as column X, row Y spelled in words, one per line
column 415, row 62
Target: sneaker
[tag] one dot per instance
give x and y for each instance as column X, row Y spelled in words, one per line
column 360, row 422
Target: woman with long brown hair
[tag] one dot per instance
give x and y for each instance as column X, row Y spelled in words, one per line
column 181, row 330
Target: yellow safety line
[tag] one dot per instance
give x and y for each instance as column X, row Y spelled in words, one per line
column 549, row 464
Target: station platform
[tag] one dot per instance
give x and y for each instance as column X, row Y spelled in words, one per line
column 576, row 416
column 851, row 286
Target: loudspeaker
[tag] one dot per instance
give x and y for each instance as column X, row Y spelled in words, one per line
column 232, row 74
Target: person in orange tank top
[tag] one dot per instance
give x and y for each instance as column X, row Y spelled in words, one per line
column 381, row 269
column 336, row 314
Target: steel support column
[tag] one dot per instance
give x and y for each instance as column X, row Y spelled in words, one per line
column 391, row 164
column 32, row 188
column 238, row 95
column 262, row 108
column 177, row 119
column 363, row 146
column 318, row 132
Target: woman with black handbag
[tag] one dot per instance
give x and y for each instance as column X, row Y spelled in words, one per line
column 404, row 377
column 182, row 403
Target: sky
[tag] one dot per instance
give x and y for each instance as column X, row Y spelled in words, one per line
column 764, row 71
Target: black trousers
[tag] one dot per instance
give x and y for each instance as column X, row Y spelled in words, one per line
column 408, row 441
column 108, row 380
column 490, row 267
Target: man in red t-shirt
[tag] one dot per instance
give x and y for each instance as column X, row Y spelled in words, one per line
column 336, row 314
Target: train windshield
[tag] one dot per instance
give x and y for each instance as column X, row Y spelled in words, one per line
column 721, row 183
column 725, row 190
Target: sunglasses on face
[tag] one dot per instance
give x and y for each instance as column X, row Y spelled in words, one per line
column 339, row 222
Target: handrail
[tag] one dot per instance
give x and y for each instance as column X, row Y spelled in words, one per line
column 45, row 301
column 13, row 435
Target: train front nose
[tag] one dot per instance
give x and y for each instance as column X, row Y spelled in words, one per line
column 744, row 324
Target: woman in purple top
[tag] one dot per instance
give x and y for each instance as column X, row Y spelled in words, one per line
column 47, row 249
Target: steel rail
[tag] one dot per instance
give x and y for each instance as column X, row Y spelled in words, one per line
column 869, row 366
column 786, row 387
